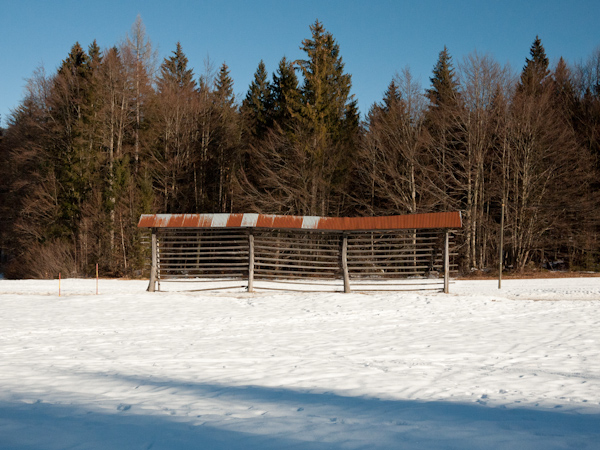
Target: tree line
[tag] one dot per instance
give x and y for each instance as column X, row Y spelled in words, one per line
column 112, row 135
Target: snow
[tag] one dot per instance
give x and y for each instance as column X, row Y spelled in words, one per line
column 128, row 369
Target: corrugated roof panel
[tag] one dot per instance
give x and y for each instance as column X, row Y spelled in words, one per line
column 409, row 221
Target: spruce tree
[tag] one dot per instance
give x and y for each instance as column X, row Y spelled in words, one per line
column 225, row 140
column 563, row 90
column 535, row 72
column 326, row 88
column 257, row 106
column 391, row 97
column 177, row 123
column 71, row 100
column 174, row 72
column 443, row 122
column 328, row 117
column 444, row 86
column 285, row 94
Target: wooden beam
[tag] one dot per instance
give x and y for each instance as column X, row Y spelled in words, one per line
column 154, row 266
column 446, row 263
column 250, row 262
column 345, row 264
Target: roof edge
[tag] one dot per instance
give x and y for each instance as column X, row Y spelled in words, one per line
column 438, row 220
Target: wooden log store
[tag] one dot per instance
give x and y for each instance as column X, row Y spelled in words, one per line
column 408, row 252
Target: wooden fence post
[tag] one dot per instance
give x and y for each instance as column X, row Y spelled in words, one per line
column 446, row 262
column 154, row 266
column 345, row 263
column 501, row 255
column 250, row 261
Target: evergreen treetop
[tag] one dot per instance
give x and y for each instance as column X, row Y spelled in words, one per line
column 257, row 104
column 284, row 92
column 326, row 88
column 174, row 72
column 224, row 87
column 535, row 72
column 444, row 86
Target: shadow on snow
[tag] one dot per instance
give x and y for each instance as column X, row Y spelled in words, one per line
column 288, row 419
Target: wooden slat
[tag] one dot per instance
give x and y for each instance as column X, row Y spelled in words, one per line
column 200, row 237
column 201, row 258
column 390, row 249
column 294, row 266
column 185, row 265
column 299, row 275
column 296, row 249
column 286, row 260
column 306, row 283
column 164, row 277
column 357, row 240
column 367, row 248
column 392, row 256
column 205, row 248
column 274, row 244
column 258, row 270
column 358, row 289
column 208, row 244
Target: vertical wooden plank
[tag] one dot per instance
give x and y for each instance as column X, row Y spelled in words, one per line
column 154, row 266
column 501, row 256
column 250, row 261
column 446, row 262
column 345, row 263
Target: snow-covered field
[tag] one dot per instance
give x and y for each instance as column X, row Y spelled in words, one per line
column 517, row 368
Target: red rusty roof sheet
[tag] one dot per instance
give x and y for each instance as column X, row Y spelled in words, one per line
column 409, row 221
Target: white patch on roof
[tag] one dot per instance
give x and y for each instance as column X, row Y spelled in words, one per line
column 220, row 220
column 249, row 220
column 310, row 221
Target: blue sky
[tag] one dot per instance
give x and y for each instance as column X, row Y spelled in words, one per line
column 377, row 38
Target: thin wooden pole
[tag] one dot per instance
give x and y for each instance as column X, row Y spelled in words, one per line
column 446, row 263
column 154, row 266
column 250, row 262
column 501, row 262
column 59, row 284
column 345, row 264
column 96, row 278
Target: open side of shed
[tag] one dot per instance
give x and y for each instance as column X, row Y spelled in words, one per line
column 405, row 251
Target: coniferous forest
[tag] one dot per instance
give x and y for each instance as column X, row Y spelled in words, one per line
column 114, row 133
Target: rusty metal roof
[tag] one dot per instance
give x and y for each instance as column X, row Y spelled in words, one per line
column 409, row 221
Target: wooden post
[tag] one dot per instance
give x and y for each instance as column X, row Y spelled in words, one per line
column 154, row 266
column 501, row 263
column 250, row 261
column 446, row 262
column 345, row 263
column 96, row 278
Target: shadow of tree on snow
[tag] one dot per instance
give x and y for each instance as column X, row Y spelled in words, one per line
column 290, row 419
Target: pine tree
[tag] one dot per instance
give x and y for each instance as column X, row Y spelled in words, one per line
column 285, row 94
column 71, row 158
column 444, row 86
column 535, row 72
column 225, row 140
column 441, row 120
column 328, row 116
column 177, row 100
column 563, row 89
column 391, row 97
column 174, row 72
column 256, row 108
column 325, row 91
